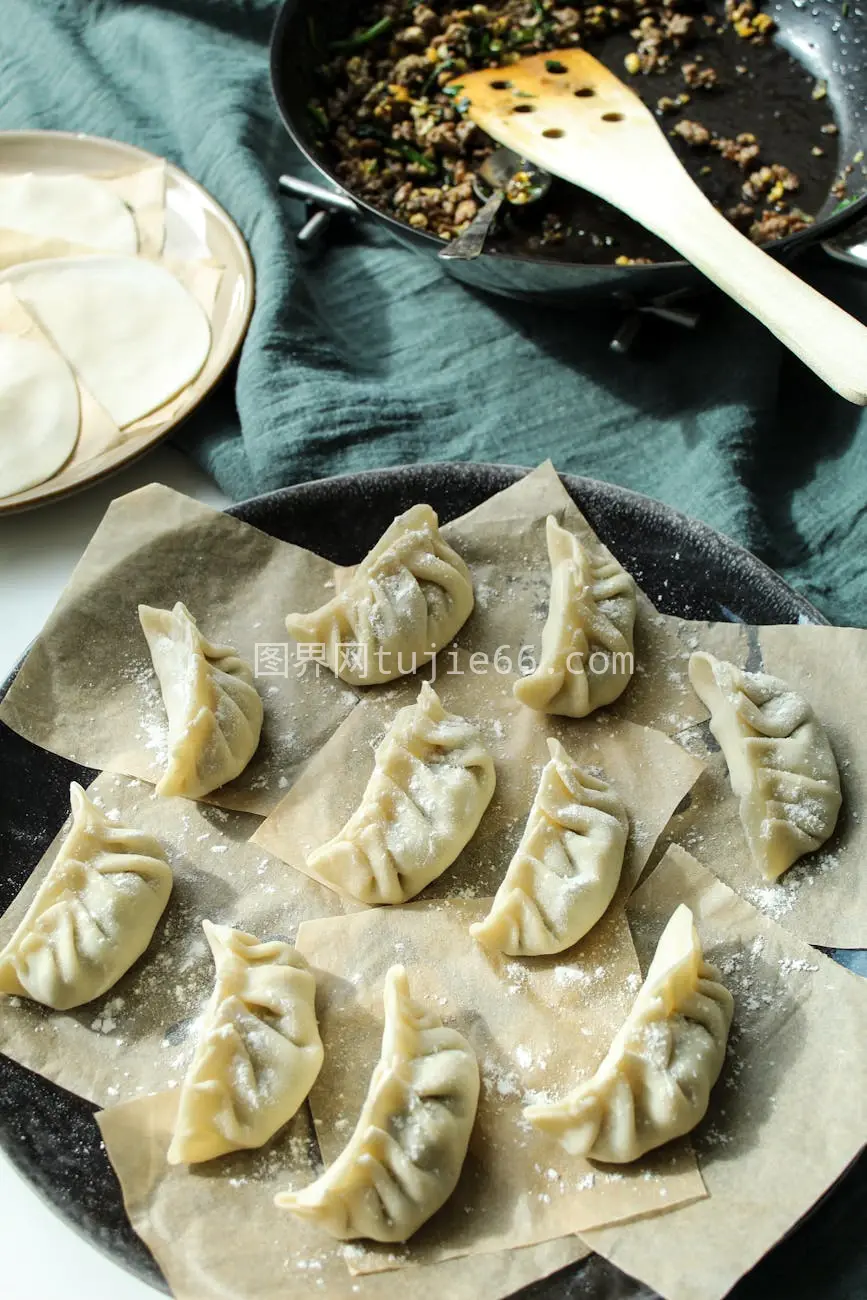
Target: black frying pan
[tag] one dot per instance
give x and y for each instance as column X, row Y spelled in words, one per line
column 827, row 37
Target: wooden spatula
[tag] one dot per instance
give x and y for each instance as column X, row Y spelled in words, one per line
column 567, row 113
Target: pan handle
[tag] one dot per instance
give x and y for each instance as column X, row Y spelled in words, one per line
column 331, row 200
column 321, row 205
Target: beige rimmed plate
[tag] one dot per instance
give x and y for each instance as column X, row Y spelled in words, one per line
column 196, row 228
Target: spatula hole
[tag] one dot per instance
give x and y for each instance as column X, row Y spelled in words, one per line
column 523, row 108
column 553, row 133
column 586, row 92
column 612, row 117
column 501, row 85
column 555, row 66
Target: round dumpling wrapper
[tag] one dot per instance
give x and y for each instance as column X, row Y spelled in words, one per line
column 72, row 207
column 132, row 332
column 39, row 413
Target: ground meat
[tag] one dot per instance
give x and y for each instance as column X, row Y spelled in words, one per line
column 741, row 215
column 699, row 78
column 770, row 183
column 387, row 110
column 776, row 225
column 743, row 150
column 692, row 132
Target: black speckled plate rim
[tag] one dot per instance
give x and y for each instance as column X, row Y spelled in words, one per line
column 49, row 1134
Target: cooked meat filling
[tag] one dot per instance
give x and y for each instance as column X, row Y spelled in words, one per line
column 389, row 114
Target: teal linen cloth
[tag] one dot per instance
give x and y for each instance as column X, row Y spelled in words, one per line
column 372, row 356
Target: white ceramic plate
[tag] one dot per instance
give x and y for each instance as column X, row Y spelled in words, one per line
column 196, row 227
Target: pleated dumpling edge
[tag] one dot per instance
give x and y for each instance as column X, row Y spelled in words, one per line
column 406, row 1153
column 566, row 868
column 655, row 1081
column 258, row 1051
column 780, row 762
column 93, row 915
column 432, row 780
column 213, row 708
column 587, row 653
column 407, row 599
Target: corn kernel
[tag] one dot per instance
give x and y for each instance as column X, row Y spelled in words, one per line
column 632, row 63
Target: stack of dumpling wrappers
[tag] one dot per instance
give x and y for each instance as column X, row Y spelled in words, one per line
column 471, row 970
column 102, row 333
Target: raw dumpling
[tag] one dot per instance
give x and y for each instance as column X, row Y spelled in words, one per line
column 431, row 783
column 655, row 1082
column 566, row 868
column 406, row 600
column 404, row 1159
column 587, row 644
column 93, row 916
column 258, row 1053
column 779, row 760
column 214, row 710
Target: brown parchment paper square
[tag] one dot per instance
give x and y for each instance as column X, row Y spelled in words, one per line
column 536, row 1026
column 139, row 1036
column 823, row 897
column 651, row 773
column 215, row 1231
column 788, row 1114
column 87, row 689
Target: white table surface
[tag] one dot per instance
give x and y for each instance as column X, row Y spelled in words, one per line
column 42, row 1258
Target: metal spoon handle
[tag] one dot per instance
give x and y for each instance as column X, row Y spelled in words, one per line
column 469, row 244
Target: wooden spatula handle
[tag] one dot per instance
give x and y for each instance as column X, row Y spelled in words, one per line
column 827, row 339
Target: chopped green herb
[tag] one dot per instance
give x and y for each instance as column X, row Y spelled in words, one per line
column 367, row 131
column 845, row 9
column 554, row 65
column 462, row 104
column 362, row 38
column 401, row 150
column 318, row 114
column 844, row 203
column 525, row 94
column 452, row 90
column 433, row 79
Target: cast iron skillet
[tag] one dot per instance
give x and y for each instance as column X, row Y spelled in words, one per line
column 50, row 1135
column 826, row 36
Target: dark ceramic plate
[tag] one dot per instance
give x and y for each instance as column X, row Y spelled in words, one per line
column 50, row 1134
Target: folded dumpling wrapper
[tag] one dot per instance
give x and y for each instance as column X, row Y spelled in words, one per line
column 432, row 780
column 781, row 765
column 409, row 596
column 93, row 916
column 586, row 658
column 404, row 1159
column 214, row 710
column 258, row 1051
column 566, row 868
column 655, row 1082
